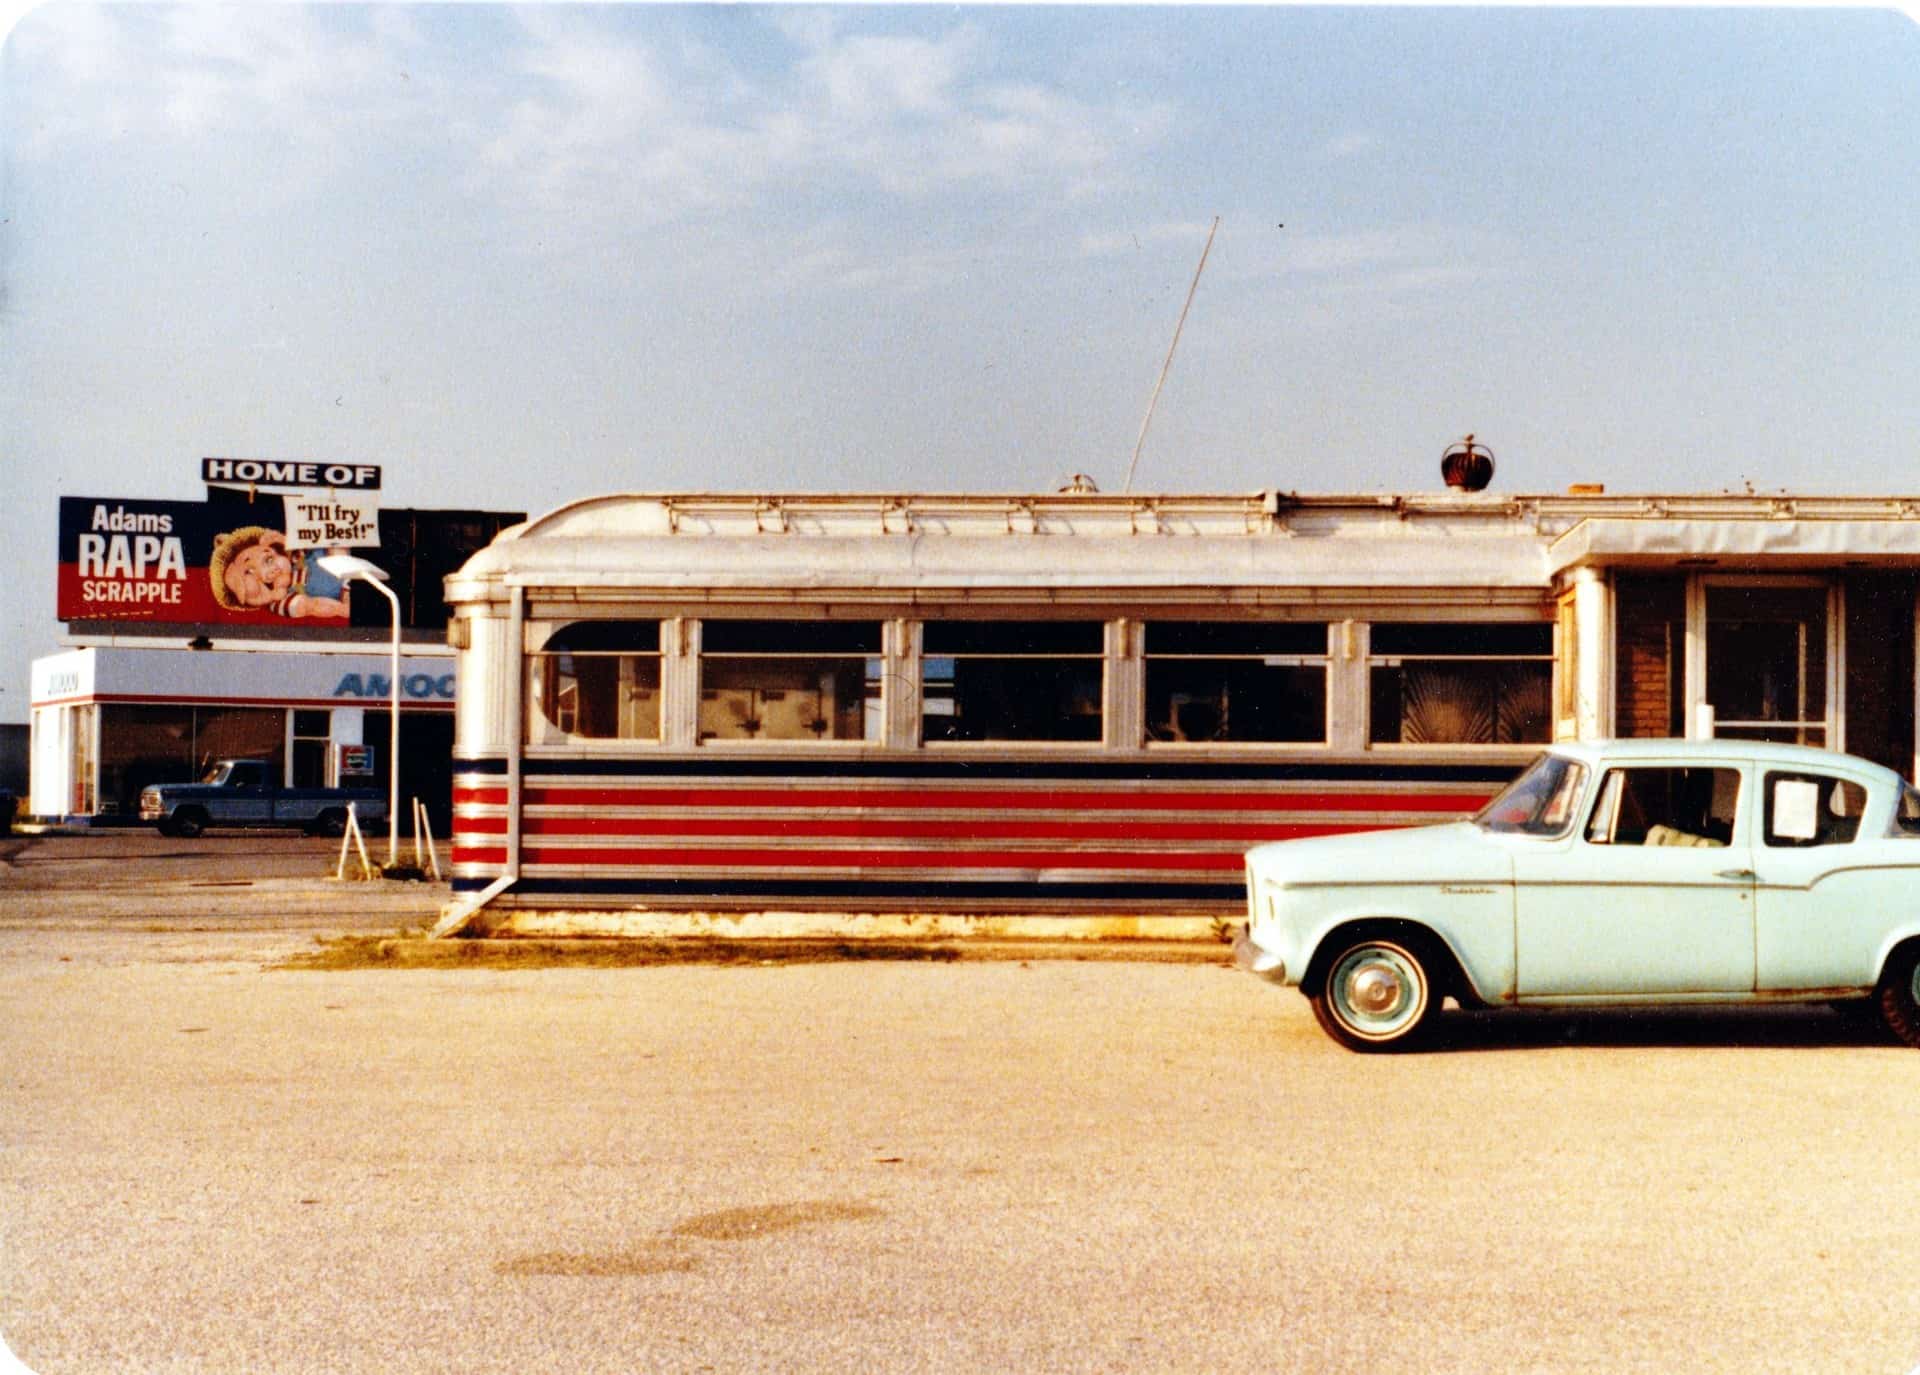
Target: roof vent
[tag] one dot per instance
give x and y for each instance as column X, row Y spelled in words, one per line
column 1467, row 466
column 1078, row 485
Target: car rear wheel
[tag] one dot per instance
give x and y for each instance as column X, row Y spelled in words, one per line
column 1899, row 994
column 1378, row 995
column 332, row 822
column 189, row 822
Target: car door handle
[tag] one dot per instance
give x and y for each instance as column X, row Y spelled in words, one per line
column 1735, row 873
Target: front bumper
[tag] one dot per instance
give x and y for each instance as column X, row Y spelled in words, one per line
column 1255, row 958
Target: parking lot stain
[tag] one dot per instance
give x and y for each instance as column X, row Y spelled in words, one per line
column 654, row 1258
column 745, row 1224
column 674, row 1251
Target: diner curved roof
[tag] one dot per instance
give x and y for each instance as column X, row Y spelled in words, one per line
column 1263, row 539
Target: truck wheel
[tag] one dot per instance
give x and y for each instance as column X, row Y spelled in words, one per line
column 189, row 822
column 331, row 822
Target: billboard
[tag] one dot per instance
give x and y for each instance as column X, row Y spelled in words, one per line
column 201, row 563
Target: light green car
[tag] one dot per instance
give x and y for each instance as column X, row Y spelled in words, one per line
column 1625, row 872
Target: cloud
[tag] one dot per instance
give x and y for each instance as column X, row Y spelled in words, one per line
column 587, row 128
column 1109, row 243
column 79, row 63
column 1352, row 145
column 877, row 79
column 275, row 94
column 1411, row 266
column 1325, row 254
column 1252, row 246
column 652, row 129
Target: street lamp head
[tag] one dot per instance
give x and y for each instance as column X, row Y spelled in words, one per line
column 348, row 566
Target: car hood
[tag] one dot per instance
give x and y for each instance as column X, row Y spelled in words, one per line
column 1457, row 852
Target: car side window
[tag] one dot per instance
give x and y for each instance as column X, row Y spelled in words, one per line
column 1659, row 805
column 1906, row 816
column 1808, row 809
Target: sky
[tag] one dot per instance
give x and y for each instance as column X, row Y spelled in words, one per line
column 522, row 255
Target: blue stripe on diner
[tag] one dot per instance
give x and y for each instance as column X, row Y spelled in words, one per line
column 1120, row 767
column 852, row 892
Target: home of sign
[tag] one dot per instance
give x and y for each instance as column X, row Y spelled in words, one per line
column 270, row 472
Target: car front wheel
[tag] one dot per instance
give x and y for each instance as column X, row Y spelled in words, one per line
column 189, row 822
column 1378, row 995
column 1899, row 994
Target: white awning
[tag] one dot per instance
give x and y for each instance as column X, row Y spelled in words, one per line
column 1746, row 544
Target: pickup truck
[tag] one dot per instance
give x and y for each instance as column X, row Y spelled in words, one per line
column 245, row 792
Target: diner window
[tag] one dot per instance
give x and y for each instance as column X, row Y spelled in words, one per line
column 790, row 680
column 600, row 680
column 1467, row 683
column 1011, row 680
column 1233, row 681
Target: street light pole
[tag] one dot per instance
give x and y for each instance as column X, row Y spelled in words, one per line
column 352, row 568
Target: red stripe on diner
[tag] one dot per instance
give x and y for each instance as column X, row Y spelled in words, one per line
column 496, row 797
column 473, row 854
column 994, row 799
column 882, row 859
column 860, row 828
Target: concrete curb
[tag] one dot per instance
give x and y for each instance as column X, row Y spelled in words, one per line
column 419, row 952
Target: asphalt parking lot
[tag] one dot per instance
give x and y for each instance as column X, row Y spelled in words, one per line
column 216, row 1162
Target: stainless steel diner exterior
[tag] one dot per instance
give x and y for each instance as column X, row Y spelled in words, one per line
column 1079, row 710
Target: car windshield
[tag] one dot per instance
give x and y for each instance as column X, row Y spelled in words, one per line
column 216, row 774
column 1540, row 802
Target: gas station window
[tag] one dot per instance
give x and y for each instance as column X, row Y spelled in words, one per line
column 312, row 732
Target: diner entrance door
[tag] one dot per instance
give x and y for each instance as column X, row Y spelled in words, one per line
column 1767, row 658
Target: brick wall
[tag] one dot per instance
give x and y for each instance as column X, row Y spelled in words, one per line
column 1650, row 630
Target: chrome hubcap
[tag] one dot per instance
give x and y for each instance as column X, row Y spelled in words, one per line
column 1378, row 990
column 1374, row 989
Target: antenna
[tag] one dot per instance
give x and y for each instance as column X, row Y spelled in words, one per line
column 1154, row 400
